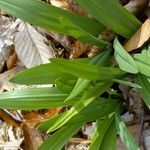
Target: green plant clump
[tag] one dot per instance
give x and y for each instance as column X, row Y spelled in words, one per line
column 80, row 84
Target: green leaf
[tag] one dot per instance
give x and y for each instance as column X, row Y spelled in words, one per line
column 127, row 83
column 102, row 107
column 48, row 16
column 66, row 83
column 124, row 60
column 87, row 98
column 60, row 137
column 102, row 59
column 105, row 131
column 45, row 125
column 124, row 134
column 145, row 90
column 48, row 73
column 142, row 61
column 99, row 60
column 42, row 74
column 82, row 60
column 112, row 15
column 111, row 136
column 86, row 71
column 80, row 34
column 34, row 98
column 78, row 88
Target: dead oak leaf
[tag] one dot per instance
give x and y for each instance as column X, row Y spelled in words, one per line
column 139, row 38
column 34, row 118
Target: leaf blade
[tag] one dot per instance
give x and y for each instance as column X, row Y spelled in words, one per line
column 102, row 107
column 144, row 91
column 124, row 134
column 86, row 71
column 87, row 98
column 111, row 14
column 124, row 60
column 58, row 140
column 99, row 60
column 48, row 16
column 81, row 34
column 48, row 74
column 101, row 133
column 33, row 99
column 142, row 61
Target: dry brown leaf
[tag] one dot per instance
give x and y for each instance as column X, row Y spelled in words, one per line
column 10, row 138
column 6, row 38
column 62, row 39
column 31, row 119
column 12, row 61
column 59, row 3
column 5, row 23
column 68, row 4
column 4, row 79
column 135, row 103
column 34, row 118
column 32, row 137
column 139, row 38
column 78, row 48
column 77, row 144
column 147, row 10
column 79, row 140
column 5, row 117
column 88, row 129
column 31, row 47
column 135, row 6
column 147, row 138
column 76, row 8
column 134, row 130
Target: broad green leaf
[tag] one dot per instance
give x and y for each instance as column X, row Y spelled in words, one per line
column 124, row 133
column 82, row 60
column 43, row 74
column 80, row 85
column 111, row 136
column 100, row 130
column 105, row 131
column 145, row 90
column 124, row 60
column 48, row 73
column 60, row 137
column 102, row 107
column 66, row 83
column 87, row 98
column 102, row 59
column 49, row 16
column 99, row 60
column 45, row 125
column 80, row 34
column 112, row 15
column 34, row 98
column 86, row 71
column 142, row 61
column 127, row 83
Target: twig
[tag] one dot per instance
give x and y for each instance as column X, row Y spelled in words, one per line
column 4, row 116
